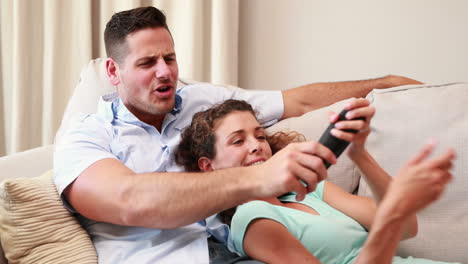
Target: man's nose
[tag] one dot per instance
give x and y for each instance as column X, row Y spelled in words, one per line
column 162, row 70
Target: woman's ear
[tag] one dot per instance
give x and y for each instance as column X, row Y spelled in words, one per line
column 204, row 164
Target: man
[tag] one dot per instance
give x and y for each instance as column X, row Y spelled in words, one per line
column 115, row 168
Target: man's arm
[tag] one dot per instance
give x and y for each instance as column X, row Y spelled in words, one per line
column 300, row 100
column 109, row 191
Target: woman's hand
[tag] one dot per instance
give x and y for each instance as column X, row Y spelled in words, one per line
column 421, row 181
column 356, row 108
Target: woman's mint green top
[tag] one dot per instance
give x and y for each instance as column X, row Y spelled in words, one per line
column 331, row 236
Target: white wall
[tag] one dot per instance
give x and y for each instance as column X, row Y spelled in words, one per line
column 284, row 44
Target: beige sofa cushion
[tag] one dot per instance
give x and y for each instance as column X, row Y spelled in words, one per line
column 405, row 118
column 38, row 160
column 312, row 125
column 36, row 228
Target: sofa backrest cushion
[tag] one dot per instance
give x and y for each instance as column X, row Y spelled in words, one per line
column 405, row 118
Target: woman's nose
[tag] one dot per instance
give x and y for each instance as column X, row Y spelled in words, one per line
column 254, row 146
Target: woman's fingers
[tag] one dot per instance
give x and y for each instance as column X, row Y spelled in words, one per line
column 356, row 103
column 332, row 117
column 364, row 111
column 423, row 153
column 442, row 161
column 352, row 124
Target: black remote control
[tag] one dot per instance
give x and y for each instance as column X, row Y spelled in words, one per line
column 336, row 145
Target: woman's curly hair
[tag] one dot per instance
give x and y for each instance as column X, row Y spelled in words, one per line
column 198, row 139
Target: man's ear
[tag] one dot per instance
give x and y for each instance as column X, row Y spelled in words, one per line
column 112, row 70
column 204, row 164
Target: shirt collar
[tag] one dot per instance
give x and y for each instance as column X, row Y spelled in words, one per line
column 111, row 107
column 177, row 105
column 105, row 106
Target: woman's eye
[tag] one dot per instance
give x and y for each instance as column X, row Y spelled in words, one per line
column 237, row 142
column 261, row 137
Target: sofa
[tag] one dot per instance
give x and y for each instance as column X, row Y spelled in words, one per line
column 34, row 227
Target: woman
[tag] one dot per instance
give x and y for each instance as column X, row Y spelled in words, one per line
column 329, row 225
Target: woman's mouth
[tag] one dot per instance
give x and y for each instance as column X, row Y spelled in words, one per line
column 256, row 163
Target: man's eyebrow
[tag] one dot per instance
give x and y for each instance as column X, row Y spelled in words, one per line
column 145, row 58
column 153, row 57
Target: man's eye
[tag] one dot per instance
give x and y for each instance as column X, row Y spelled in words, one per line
column 146, row 63
column 169, row 59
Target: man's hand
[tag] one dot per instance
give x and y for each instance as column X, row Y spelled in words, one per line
column 421, row 181
column 300, row 100
column 286, row 170
column 395, row 80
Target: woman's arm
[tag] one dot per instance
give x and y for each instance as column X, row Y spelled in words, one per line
column 269, row 241
column 420, row 182
column 360, row 208
column 379, row 181
column 383, row 239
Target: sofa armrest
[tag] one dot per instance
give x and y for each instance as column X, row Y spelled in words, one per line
column 27, row 164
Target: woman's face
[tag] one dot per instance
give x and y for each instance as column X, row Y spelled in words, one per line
column 240, row 141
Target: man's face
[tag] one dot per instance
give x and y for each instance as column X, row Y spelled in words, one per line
column 148, row 74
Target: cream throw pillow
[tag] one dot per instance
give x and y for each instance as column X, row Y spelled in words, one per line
column 36, row 228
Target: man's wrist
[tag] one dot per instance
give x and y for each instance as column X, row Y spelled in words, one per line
column 394, row 81
column 386, row 82
column 249, row 186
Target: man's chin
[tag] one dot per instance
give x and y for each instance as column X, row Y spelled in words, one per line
column 162, row 109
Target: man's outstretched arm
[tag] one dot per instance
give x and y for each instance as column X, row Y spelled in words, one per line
column 300, row 100
column 108, row 191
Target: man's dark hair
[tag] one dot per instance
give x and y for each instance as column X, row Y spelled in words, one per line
column 126, row 22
